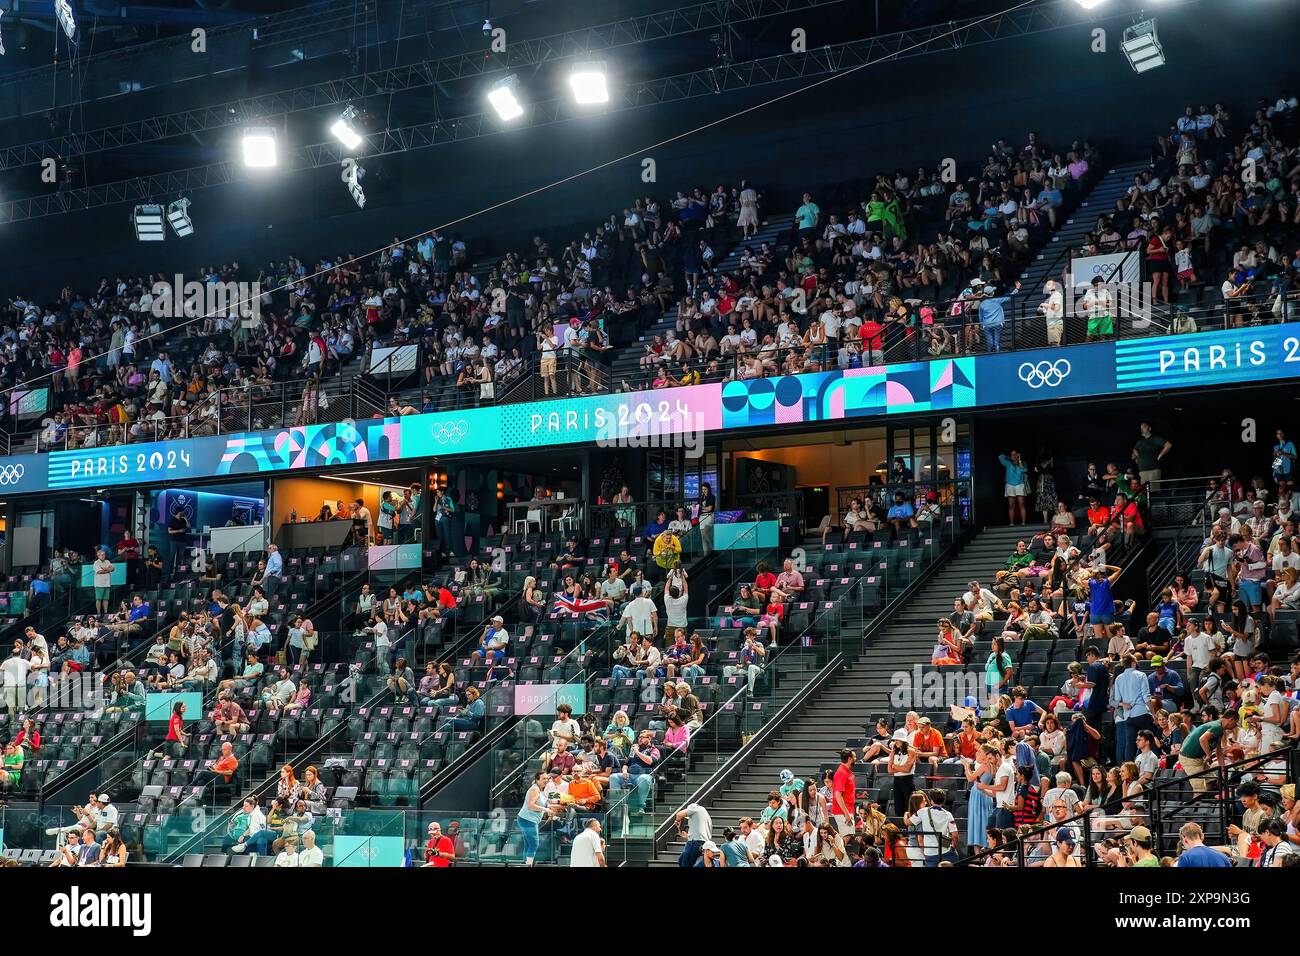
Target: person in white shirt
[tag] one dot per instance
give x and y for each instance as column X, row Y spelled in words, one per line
column 981, row 602
column 588, row 847
column 641, row 616
column 565, row 727
column 1053, row 310
column 936, row 830
column 310, row 854
column 1200, row 648
column 378, row 630
column 256, row 824
column 289, row 855
column 1004, row 793
column 13, row 676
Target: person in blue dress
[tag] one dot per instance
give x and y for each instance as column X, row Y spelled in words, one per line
column 979, row 774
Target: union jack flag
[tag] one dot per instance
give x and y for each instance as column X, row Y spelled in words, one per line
column 567, row 604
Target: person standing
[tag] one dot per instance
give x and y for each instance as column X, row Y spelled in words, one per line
column 531, row 815
column 1014, row 485
column 588, row 847
column 844, row 793
column 1046, row 498
column 1148, row 452
column 1053, row 311
column 699, row 830
column 103, row 569
column 1132, row 709
column 708, row 504
column 274, row 570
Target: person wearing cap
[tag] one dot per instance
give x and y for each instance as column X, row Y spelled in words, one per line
column 1166, row 684
column 791, row 789
column 439, row 851
column 1063, row 852
column 493, row 644
column 709, row 856
column 927, row 743
column 992, row 316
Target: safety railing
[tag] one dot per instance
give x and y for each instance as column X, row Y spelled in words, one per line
column 1162, row 806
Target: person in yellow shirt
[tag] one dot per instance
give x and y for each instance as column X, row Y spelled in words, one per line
column 667, row 550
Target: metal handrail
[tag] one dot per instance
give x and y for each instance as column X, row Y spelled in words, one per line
column 1151, row 790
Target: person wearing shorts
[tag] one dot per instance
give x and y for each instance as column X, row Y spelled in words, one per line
column 1201, row 743
column 103, row 581
column 1015, row 485
column 1097, row 305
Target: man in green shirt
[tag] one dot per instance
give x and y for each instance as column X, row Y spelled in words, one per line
column 1137, row 847
column 1148, row 451
column 1200, row 743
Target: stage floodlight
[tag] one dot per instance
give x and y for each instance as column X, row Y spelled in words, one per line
column 345, row 132
column 1089, row 4
column 352, row 175
column 148, row 222
column 1142, row 47
column 504, row 100
column 67, row 20
column 178, row 214
column 588, row 82
column 259, row 147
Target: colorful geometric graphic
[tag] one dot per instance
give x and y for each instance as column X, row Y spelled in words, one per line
column 851, row 393
column 312, row 446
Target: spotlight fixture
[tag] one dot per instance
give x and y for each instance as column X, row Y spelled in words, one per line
column 352, row 175
column 588, row 82
column 148, row 222
column 1142, row 47
column 503, row 99
column 259, row 147
column 487, row 27
column 63, row 10
column 1089, row 4
column 345, row 132
column 178, row 214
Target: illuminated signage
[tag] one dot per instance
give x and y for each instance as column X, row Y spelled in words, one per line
column 630, row 418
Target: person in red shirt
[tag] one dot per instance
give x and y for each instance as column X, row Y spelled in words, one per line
column 764, row 581
column 844, row 793
column 1098, row 516
column 128, row 547
column 439, row 851
column 928, row 743
column 872, row 336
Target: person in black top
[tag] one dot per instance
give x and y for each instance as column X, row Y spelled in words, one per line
column 1094, row 486
column 900, row 474
column 708, row 504
column 178, row 531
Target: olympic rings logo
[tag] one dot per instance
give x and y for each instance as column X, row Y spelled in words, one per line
column 12, row 474
column 1044, row 374
column 452, row 433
